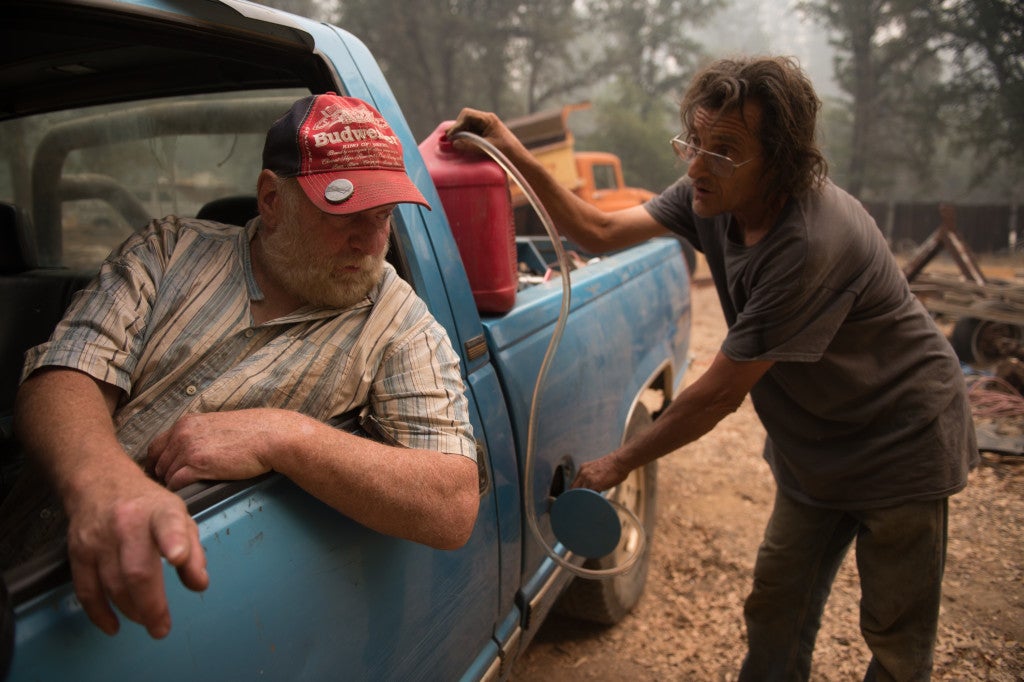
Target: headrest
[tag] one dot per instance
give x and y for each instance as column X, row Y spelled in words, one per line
column 235, row 210
column 14, row 234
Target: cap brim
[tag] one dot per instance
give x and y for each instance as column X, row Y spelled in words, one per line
column 370, row 189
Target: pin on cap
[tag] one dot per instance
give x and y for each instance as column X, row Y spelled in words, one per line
column 338, row 191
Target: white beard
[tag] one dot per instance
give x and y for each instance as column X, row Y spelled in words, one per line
column 313, row 275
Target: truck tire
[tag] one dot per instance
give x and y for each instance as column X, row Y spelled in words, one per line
column 978, row 341
column 608, row 601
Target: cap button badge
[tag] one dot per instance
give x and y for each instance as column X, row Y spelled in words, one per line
column 339, row 190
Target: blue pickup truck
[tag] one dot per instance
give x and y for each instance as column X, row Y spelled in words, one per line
column 115, row 112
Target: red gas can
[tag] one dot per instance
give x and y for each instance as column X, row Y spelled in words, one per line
column 474, row 193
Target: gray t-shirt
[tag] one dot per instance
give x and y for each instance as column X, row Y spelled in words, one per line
column 866, row 404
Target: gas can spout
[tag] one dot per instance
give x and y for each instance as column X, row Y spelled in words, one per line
column 445, row 145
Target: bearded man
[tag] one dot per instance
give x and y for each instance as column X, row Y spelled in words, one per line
column 215, row 352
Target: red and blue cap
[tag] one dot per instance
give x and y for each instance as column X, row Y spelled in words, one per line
column 343, row 153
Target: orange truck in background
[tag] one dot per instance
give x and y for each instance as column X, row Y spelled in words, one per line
column 596, row 177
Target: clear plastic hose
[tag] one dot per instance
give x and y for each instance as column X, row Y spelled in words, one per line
column 556, row 337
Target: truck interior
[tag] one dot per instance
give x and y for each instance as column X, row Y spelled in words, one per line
column 93, row 144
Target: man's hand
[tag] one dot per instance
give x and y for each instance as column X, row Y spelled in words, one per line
column 120, row 523
column 487, row 126
column 601, row 474
column 117, row 535
column 220, row 446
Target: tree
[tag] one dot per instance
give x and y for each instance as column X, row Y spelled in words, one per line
column 936, row 89
column 638, row 138
column 985, row 98
column 519, row 57
column 442, row 55
column 647, row 49
column 887, row 64
column 548, row 55
column 645, row 57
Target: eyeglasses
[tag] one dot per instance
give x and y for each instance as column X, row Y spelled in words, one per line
column 719, row 165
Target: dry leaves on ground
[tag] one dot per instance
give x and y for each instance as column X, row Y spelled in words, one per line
column 715, row 496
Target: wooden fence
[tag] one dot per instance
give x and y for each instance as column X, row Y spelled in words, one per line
column 986, row 229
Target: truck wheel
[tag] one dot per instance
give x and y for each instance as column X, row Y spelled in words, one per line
column 608, row 601
column 980, row 342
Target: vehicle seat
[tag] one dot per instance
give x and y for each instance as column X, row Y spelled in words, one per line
column 15, row 256
column 32, row 301
column 234, row 210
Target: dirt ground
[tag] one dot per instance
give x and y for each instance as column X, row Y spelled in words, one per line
column 714, row 498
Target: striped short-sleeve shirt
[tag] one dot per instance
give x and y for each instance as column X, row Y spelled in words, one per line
column 168, row 321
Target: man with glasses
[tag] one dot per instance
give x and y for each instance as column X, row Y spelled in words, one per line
column 863, row 400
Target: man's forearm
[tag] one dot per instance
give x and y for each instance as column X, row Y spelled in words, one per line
column 696, row 410
column 686, row 419
column 120, row 523
column 420, row 495
column 572, row 217
column 63, row 419
column 699, row 408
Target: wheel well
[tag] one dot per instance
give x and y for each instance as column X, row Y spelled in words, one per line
column 656, row 395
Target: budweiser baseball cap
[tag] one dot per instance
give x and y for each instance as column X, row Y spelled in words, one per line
column 344, row 154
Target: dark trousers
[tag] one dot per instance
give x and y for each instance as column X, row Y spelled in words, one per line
column 900, row 553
